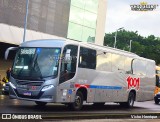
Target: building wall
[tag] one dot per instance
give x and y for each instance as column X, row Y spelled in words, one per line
column 15, row 34
column 47, row 16
column 12, row 12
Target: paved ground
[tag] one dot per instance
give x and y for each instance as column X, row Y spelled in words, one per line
column 61, row 112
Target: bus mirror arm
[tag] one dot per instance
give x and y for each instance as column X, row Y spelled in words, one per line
column 8, row 50
column 128, row 72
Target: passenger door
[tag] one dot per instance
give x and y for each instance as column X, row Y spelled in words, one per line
column 67, row 72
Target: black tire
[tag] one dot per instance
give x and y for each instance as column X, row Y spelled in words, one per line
column 156, row 101
column 130, row 102
column 40, row 103
column 78, row 103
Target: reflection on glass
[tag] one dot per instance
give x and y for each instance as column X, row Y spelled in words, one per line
column 78, row 3
column 90, row 19
column 139, row 67
column 128, row 62
column 76, row 15
column 91, row 5
column 36, row 63
column 74, row 31
column 81, row 33
column 88, row 34
column 82, row 20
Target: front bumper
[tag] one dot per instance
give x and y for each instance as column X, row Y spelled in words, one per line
column 45, row 96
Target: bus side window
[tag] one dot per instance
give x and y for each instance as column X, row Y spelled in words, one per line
column 128, row 65
column 139, row 67
column 87, row 58
column 68, row 68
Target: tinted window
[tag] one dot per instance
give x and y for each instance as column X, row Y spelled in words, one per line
column 68, row 64
column 87, row 58
column 127, row 66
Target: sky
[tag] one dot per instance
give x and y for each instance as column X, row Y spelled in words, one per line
column 119, row 14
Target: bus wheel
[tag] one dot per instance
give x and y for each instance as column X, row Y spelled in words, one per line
column 78, row 103
column 130, row 102
column 40, row 103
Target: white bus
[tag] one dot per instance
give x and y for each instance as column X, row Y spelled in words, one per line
column 70, row 72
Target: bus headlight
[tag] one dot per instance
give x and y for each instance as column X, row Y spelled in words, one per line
column 47, row 87
column 4, row 85
column 12, row 85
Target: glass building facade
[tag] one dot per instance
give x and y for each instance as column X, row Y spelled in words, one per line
column 82, row 20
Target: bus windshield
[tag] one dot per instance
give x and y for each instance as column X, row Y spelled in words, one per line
column 36, row 63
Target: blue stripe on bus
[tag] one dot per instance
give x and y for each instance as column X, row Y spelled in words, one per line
column 105, row 87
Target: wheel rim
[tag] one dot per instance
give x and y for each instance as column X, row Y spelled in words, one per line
column 131, row 100
column 77, row 101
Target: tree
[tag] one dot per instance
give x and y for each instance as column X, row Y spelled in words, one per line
column 147, row 47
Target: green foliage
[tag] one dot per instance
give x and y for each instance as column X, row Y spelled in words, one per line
column 147, row 47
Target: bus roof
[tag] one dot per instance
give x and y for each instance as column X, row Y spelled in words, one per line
column 44, row 43
column 62, row 42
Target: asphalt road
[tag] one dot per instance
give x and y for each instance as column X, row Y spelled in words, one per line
column 59, row 111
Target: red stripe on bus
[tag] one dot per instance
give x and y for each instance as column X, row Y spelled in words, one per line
column 81, row 85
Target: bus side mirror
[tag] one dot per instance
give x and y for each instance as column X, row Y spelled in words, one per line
column 8, row 50
column 68, row 56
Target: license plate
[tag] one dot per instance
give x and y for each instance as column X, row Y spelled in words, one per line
column 33, row 87
column 159, row 98
column 27, row 93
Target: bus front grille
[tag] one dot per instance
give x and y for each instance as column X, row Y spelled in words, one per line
column 30, row 83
